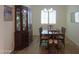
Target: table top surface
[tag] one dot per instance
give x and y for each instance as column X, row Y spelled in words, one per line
column 45, row 31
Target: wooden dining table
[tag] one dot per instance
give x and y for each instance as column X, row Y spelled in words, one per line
column 51, row 33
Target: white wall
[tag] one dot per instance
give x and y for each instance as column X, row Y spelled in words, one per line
column 1, row 30
column 36, row 16
column 72, row 28
column 6, row 33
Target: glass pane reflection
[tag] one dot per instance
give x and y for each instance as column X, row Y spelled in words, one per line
column 24, row 18
column 18, row 20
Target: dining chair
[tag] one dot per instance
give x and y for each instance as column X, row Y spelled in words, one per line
column 43, row 38
column 53, row 44
column 62, row 37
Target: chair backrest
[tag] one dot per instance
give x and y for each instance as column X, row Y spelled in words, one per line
column 40, row 30
column 63, row 30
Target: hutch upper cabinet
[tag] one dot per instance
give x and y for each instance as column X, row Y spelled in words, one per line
column 23, row 27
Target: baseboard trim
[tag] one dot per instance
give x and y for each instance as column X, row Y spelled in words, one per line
column 13, row 52
column 35, row 35
column 71, row 41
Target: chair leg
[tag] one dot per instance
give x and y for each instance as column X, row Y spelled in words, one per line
column 63, row 42
column 40, row 42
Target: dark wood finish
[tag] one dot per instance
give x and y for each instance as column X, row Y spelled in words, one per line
column 62, row 37
column 23, row 37
column 43, row 37
column 52, row 37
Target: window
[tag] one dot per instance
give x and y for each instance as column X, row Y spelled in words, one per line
column 44, row 16
column 77, row 17
column 48, row 16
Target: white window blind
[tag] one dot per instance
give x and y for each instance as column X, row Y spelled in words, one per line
column 77, row 17
column 44, row 17
column 48, row 16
